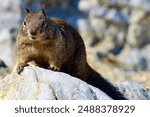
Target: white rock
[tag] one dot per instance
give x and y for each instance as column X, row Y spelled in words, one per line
column 144, row 4
column 3, row 69
column 134, row 91
column 41, row 84
column 9, row 4
column 86, row 5
column 7, row 48
column 38, row 83
column 5, row 34
column 10, row 13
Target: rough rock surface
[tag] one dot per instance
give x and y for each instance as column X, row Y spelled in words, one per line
column 38, row 83
column 3, row 69
column 10, row 16
column 10, row 13
column 7, row 48
column 134, row 91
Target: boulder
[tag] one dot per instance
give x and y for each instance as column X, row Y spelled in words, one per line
column 10, row 14
column 134, row 91
column 3, row 69
column 10, row 17
column 7, row 48
column 41, row 84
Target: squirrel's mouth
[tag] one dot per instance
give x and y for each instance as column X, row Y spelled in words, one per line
column 32, row 37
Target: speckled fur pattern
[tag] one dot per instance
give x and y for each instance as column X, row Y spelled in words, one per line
column 54, row 44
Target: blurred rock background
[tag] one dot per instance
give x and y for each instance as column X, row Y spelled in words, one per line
column 116, row 33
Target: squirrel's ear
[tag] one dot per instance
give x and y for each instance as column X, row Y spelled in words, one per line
column 43, row 11
column 27, row 10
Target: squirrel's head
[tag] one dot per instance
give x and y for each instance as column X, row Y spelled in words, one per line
column 37, row 25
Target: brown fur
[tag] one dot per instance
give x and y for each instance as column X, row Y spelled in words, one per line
column 54, row 44
column 57, row 46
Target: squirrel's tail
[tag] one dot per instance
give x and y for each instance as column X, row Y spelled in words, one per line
column 96, row 80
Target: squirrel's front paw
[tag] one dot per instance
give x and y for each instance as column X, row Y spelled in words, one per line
column 20, row 67
column 54, row 68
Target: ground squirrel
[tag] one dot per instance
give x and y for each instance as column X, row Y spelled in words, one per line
column 52, row 43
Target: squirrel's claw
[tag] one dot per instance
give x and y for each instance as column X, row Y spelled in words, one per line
column 20, row 67
column 54, row 68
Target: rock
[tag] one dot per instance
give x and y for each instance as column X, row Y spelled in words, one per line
column 38, row 83
column 129, row 20
column 10, row 17
column 10, row 14
column 3, row 69
column 85, row 30
column 104, row 24
column 136, row 59
column 143, row 4
column 7, row 48
column 86, row 5
column 134, row 91
column 139, row 33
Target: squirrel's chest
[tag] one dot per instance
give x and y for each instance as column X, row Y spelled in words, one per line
column 41, row 52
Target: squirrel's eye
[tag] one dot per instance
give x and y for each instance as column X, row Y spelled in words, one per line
column 43, row 23
column 24, row 23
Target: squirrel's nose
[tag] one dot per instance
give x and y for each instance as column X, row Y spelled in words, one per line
column 32, row 32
